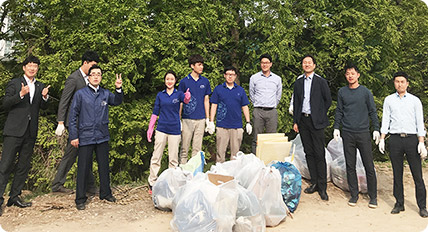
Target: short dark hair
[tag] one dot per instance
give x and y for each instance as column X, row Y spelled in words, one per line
column 90, row 56
column 193, row 59
column 351, row 66
column 311, row 56
column 170, row 72
column 400, row 74
column 230, row 68
column 267, row 56
column 31, row 59
column 95, row 67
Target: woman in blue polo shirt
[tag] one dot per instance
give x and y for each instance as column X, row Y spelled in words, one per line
column 167, row 107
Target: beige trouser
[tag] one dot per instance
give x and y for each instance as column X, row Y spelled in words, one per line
column 226, row 136
column 161, row 139
column 191, row 128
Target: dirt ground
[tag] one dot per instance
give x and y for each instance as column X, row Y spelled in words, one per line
column 134, row 211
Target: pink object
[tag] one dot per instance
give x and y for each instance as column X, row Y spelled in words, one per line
column 152, row 122
column 187, row 96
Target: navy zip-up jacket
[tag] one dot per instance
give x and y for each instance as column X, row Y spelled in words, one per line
column 89, row 115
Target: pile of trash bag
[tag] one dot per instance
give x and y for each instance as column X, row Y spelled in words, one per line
column 241, row 195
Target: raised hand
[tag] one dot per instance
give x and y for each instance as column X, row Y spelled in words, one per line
column 24, row 90
column 118, row 82
column 45, row 91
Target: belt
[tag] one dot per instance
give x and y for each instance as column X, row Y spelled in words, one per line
column 265, row 108
column 306, row 115
column 404, row 135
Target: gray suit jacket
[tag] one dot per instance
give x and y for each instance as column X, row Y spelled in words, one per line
column 73, row 83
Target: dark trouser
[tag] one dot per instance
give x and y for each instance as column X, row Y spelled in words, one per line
column 408, row 145
column 24, row 147
column 313, row 144
column 67, row 161
column 84, row 165
column 361, row 141
column 263, row 118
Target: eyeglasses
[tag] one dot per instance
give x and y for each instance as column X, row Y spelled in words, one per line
column 95, row 75
column 229, row 74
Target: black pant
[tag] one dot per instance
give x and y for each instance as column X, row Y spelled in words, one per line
column 11, row 146
column 313, row 144
column 361, row 141
column 398, row 147
column 84, row 165
column 67, row 161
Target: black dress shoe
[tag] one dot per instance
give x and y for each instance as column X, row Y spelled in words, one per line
column 110, row 198
column 397, row 208
column 20, row 203
column 80, row 206
column 323, row 196
column 423, row 213
column 311, row 189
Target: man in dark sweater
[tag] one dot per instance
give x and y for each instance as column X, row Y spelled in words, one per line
column 355, row 105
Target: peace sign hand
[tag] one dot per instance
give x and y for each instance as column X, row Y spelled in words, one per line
column 118, row 82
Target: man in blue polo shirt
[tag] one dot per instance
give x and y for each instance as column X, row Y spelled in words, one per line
column 194, row 113
column 229, row 100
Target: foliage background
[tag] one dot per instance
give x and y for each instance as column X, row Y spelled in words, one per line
column 143, row 39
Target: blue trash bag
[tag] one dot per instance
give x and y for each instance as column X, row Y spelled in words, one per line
column 291, row 184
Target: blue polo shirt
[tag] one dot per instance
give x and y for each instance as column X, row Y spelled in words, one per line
column 167, row 107
column 229, row 105
column 198, row 89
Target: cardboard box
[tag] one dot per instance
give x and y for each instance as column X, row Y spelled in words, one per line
column 218, row 179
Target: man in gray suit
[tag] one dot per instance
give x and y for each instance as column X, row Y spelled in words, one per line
column 77, row 80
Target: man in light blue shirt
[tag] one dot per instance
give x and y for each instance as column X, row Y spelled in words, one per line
column 265, row 94
column 403, row 120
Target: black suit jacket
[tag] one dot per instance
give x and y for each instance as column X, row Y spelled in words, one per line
column 320, row 101
column 22, row 113
column 73, row 83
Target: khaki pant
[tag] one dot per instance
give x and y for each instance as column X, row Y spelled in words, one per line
column 191, row 128
column 226, row 136
column 161, row 139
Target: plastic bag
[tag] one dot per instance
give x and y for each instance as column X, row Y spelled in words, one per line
column 167, row 185
column 247, row 169
column 267, row 187
column 195, row 164
column 291, row 184
column 300, row 159
column 202, row 206
column 249, row 214
column 338, row 167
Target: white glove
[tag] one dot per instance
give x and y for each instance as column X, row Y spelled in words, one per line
column 382, row 146
column 422, row 150
column 207, row 124
column 211, row 128
column 290, row 109
column 336, row 134
column 248, row 128
column 60, row 129
column 376, row 137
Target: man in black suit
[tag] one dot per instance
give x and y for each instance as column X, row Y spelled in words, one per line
column 77, row 80
column 312, row 100
column 23, row 99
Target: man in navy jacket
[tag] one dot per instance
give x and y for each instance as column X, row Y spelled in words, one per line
column 88, row 130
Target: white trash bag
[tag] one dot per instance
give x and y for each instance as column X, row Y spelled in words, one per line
column 167, row 185
column 267, row 187
column 202, row 206
column 249, row 214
